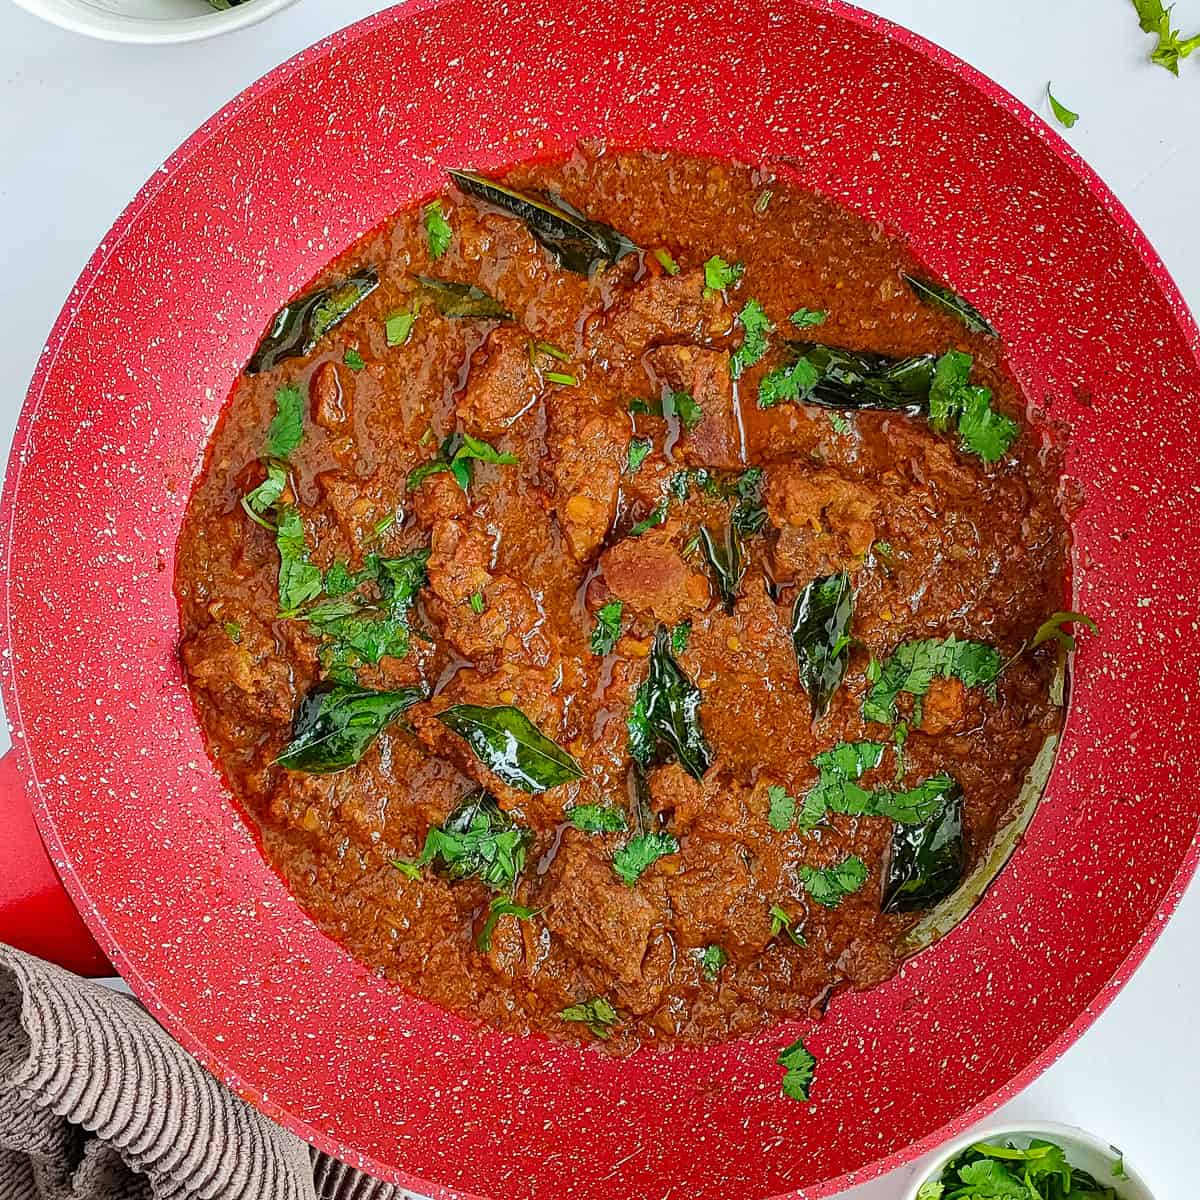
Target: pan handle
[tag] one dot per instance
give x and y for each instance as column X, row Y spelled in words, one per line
column 36, row 914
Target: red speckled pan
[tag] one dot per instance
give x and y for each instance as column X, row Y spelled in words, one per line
column 139, row 364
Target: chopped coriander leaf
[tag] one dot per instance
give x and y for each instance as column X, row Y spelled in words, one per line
column 667, row 263
column 353, row 359
column 711, row 962
column 931, row 1189
column 632, row 860
column 608, row 627
column 917, row 804
column 398, row 326
column 788, row 383
column 914, row 666
column 757, row 328
column 899, row 739
column 829, row 886
column 656, row 516
column 683, row 406
column 383, row 524
column 233, row 631
column 438, row 233
column 836, row 789
column 806, row 318
column 550, row 350
column 1062, row 113
column 782, row 923
column 983, row 430
column 562, row 378
column 456, row 455
column 782, row 811
column 719, row 275
column 679, row 637
column 638, row 449
column 1171, row 47
column 596, row 818
column 597, row 1014
column 286, row 430
column 800, row 1067
column 839, row 423
column 260, row 500
column 299, row 579
column 477, row 602
column 501, row 906
column 764, row 198
column 883, row 549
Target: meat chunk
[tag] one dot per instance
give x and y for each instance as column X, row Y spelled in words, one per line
column 704, row 375
column 649, row 575
column 948, row 708
column 508, row 622
column 438, row 498
column 330, row 406
column 606, row 923
column 247, row 676
column 459, row 561
column 501, row 385
column 825, row 521
column 665, row 308
column 714, row 900
column 588, row 445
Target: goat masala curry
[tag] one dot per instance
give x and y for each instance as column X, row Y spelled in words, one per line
column 624, row 596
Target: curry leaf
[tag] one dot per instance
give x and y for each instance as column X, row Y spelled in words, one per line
column 927, row 861
column 850, row 379
column 666, row 712
column 820, row 628
column 799, row 1067
column 508, row 743
column 334, row 727
column 597, row 1014
column 576, row 243
column 727, row 562
column 462, row 301
column 300, row 325
column 950, row 302
column 829, row 886
column 632, row 859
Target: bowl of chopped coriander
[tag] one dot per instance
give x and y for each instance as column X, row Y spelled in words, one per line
column 153, row 22
column 1034, row 1161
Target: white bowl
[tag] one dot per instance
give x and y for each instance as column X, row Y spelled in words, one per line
column 1089, row 1153
column 151, row 22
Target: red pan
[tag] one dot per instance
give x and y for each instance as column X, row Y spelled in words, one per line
column 166, row 873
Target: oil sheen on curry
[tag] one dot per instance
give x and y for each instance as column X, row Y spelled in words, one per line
column 620, row 595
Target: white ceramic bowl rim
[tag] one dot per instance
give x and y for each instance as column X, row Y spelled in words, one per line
column 1134, row 1188
column 89, row 18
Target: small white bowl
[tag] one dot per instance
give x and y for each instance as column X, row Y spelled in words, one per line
column 150, row 22
column 1089, row 1153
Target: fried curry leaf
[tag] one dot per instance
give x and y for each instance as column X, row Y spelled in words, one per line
column 756, row 333
column 597, row 1014
column 576, row 243
column 478, row 840
column 820, row 636
column 299, row 579
column 300, row 325
column 596, row 818
column 914, row 666
column 501, row 906
column 749, row 513
column 508, row 743
column 726, row 562
column 632, row 859
column 260, row 500
column 1052, row 629
column 927, row 861
column 850, row 379
column 462, row 301
column 711, row 962
column 286, row 430
column 666, row 713
column 608, row 627
column 829, row 886
column 950, row 302
column 799, row 1067
column 438, row 233
column 334, row 727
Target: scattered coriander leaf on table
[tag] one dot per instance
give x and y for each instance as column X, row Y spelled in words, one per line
column 1062, row 114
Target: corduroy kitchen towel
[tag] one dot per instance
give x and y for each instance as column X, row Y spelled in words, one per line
column 98, row 1103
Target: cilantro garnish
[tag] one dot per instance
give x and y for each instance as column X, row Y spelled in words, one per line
column 638, row 449
column 476, row 602
column 782, row 811
column 782, row 923
column 788, row 383
column 684, row 406
column 711, row 962
column 1062, row 113
column 286, row 430
column 608, row 627
column 299, row 579
column 233, row 631
column 398, row 326
column 1051, row 629
column 597, row 1014
column 800, row 1066
column 1171, row 47
column 839, row 423
column 837, row 770
column 353, row 359
column 258, row 501
column 457, row 454
column 656, row 516
column 631, row 861
column 596, row 818
column 438, row 233
column 667, row 263
column 805, row 318
column 829, row 886
column 915, row 665
column 719, row 275
column 1000, row 1171
column 757, row 328
column 983, row 430
column 501, row 906
column 679, row 637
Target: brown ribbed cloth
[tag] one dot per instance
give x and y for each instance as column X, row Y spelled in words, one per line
column 98, row 1103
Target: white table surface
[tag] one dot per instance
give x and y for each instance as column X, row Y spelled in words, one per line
column 85, row 123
